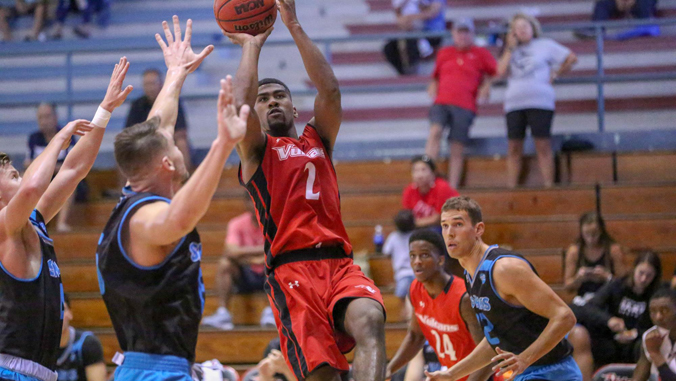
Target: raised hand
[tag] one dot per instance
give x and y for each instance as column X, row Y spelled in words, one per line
column 231, row 127
column 287, row 9
column 77, row 127
column 115, row 96
column 509, row 364
column 178, row 52
column 244, row 38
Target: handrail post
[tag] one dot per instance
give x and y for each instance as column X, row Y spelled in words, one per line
column 600, row 78
column 69, row 83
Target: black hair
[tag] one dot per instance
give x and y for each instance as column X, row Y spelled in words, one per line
column 425, row 159
column 404, row 221
column 665, row 292
column 267, row 81
column 430, row 236
column 451, row 266
column 604, row 238
column 273, row 344
column 651, row 258
column 153, row 70
column 52, row 105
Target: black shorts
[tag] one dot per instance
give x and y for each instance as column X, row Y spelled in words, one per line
column 249, row 281
column 457, row 119
column 539, row 121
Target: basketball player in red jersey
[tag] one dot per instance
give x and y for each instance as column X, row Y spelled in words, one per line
column 323, row 303
column 443, row 312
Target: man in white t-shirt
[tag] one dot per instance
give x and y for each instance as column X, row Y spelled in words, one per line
column 659, row 350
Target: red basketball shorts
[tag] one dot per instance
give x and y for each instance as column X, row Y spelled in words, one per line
column 303, row 295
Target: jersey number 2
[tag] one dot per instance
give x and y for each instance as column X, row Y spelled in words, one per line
column 448, row 346
column 311, row 176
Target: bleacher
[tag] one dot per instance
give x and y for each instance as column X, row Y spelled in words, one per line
column 630, row 183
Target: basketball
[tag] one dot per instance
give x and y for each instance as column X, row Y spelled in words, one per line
column 245, row 16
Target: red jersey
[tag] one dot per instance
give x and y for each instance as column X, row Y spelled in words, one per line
column 460, row 73
column 295, row 192
column 440, row 321
column 425, row 205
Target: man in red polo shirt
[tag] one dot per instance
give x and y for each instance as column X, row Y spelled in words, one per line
column 462, row 74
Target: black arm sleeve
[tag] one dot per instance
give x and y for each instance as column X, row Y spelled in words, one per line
column 92, row 351
column 665, row 373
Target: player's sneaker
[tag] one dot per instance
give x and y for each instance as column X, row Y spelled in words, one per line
column 221, row 319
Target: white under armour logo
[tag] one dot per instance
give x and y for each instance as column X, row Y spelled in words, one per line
column 293, row 284
column 422, row 304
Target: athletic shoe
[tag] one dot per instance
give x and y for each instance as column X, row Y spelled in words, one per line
column 221, row 319
column 267, row 318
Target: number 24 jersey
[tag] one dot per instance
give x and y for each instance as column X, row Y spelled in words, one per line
column 440, row 321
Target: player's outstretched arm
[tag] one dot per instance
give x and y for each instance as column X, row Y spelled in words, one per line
column 479, row 358
column 328, row 110
column 477, row 334
column 81, row 158
column 516, row 281
column 180, row 61
column 36, row 179
column 246, row 92
column 160, row 224
column 413, row 342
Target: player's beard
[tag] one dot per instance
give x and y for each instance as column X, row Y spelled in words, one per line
column 278, row 126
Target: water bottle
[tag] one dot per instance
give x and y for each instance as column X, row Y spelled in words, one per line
column 378, row 239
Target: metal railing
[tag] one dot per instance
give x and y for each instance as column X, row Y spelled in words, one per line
column 70, row 48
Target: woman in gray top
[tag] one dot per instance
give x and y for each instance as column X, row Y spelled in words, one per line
column 531, row 64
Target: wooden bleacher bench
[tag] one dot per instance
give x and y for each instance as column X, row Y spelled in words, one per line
column 582, row 168
column 519, row 233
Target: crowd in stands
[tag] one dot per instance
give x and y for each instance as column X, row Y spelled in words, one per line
column 52, row 15
column 624, row 315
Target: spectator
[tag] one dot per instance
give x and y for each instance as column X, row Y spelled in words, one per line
column 10, row 9
column 592, row 260
column 617, row 316
column 140, row 108
column 396, row 247
column 529, row 61
column 427, row 193
column 243, row 264
column 48, row 126
column 80, row 353
column 462, row 75
column 621, row 9
column 657, row 356
column 87, row 8
column 415, row 15
column 272, row 367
